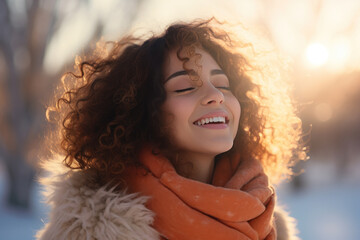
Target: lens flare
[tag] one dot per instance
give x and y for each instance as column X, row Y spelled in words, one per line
column 317, row 54
column 323, row 112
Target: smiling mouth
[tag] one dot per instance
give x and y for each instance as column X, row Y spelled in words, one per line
column 212, row 120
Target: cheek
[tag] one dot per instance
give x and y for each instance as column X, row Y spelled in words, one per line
column 235, row 108
column 238, row 110
column 178, row 112
column 180, row 106
column 177, row 117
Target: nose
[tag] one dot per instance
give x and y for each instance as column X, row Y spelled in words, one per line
column 212, row 95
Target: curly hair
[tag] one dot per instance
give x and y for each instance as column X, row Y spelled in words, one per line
column 111, row 105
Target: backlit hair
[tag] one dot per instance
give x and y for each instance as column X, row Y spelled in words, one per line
column 110, row 106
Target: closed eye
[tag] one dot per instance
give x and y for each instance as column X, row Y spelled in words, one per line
column 184, row 90
column 225, row 88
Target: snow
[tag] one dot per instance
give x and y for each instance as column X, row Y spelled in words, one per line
column 329, row 212
column 16, row 224
column 326, row 209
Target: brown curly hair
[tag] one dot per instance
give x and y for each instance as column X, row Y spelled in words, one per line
column 110, row 106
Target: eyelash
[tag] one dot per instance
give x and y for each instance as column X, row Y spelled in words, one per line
column 184, row 90
column 191, row 88
column 225, row 88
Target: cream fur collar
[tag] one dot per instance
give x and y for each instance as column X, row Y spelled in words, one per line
column 80, row 209
column 83, row 210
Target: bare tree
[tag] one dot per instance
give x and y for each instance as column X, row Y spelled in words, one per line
column 18, row 118
column 24, row 87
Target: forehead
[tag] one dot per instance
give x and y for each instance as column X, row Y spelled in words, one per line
column 197, row 58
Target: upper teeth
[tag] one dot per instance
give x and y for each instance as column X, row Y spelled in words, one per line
column 210, row 120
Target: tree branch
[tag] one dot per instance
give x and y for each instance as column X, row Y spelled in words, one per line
column 4, row 19
column 2, row 150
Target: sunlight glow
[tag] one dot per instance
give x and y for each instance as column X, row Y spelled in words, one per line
column 340, row 54
column 323, row 112
column 317, row 54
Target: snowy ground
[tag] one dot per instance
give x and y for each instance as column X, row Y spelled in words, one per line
column 326, row 209
column 18, row 225
column 327, row 213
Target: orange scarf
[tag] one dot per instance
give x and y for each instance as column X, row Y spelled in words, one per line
column 238, row 205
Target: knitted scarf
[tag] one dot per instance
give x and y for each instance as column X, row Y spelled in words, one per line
column 239, row 203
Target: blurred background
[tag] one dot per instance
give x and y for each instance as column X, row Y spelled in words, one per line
column 39, row 40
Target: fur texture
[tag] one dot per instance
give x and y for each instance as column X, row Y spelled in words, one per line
column 83, row 210
column 285, row 225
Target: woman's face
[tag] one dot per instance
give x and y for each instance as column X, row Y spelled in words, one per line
column 203, row 115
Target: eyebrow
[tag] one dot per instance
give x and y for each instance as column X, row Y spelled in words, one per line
column 183, row 72
column 176, row 74
column 216, row 72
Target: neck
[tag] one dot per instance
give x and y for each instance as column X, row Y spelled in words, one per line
column 196, row 166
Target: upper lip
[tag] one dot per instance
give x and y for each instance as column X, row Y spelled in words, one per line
column 214, row 114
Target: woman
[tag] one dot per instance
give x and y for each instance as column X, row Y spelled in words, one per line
column 175, row 137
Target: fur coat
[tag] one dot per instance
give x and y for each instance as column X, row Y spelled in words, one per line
column 83, row 210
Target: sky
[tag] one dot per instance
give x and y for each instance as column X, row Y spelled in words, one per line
column 315, row 33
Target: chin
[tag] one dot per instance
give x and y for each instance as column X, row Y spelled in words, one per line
column 220, row 148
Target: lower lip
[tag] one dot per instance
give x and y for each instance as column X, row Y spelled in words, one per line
column 214, row 126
